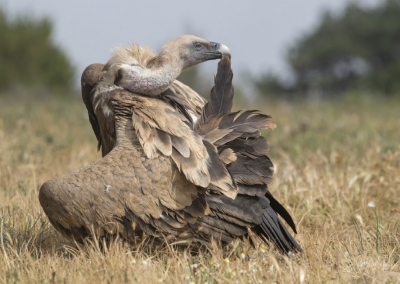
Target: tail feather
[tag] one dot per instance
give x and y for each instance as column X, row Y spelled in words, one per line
column 281, row 211
column 246, row 208
column 232, row 217
column 277, row 233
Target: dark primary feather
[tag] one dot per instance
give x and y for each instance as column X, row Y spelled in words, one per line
column 221, row 97
column 223, row 128
column 253, row 189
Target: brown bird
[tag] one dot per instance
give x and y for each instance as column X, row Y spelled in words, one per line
column 173, row 165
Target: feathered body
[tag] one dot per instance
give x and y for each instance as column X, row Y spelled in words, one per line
column 163, row 173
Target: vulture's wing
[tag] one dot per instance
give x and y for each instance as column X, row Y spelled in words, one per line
column 162, row 129
column 89, row 79
column 189, row 102
column 240, row 144
column 163, row 125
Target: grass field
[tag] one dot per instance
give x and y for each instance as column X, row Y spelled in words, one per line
column 337, row 171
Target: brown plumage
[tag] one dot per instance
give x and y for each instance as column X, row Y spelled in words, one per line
column 163, row 173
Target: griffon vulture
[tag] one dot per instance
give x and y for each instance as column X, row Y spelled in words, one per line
column 173, row 165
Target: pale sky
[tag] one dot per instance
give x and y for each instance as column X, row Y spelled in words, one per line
column 257, row 32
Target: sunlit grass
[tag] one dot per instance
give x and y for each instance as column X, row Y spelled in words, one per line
column 337, row 171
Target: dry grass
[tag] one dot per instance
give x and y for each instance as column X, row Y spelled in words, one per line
column 332, row 160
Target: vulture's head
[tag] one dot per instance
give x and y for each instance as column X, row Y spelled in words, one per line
column 139, row 70
column 193, row 50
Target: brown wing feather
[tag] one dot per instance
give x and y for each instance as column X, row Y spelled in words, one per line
column 190, row 99
column 161, row 128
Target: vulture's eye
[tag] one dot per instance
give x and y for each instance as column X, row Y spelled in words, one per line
column 197, row 46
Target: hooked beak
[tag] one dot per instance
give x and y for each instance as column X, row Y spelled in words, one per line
column 220, row 49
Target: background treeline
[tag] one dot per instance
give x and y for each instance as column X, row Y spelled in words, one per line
column 29, row 57
column 356, row 50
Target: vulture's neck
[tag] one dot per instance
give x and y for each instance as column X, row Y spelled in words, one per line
column 153, row 80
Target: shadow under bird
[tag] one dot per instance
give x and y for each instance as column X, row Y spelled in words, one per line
column 174, row 166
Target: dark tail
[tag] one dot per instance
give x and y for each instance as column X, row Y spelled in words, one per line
column 276, row 232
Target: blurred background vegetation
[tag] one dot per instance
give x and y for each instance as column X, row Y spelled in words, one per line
column 29, row 57
column 355, row 51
